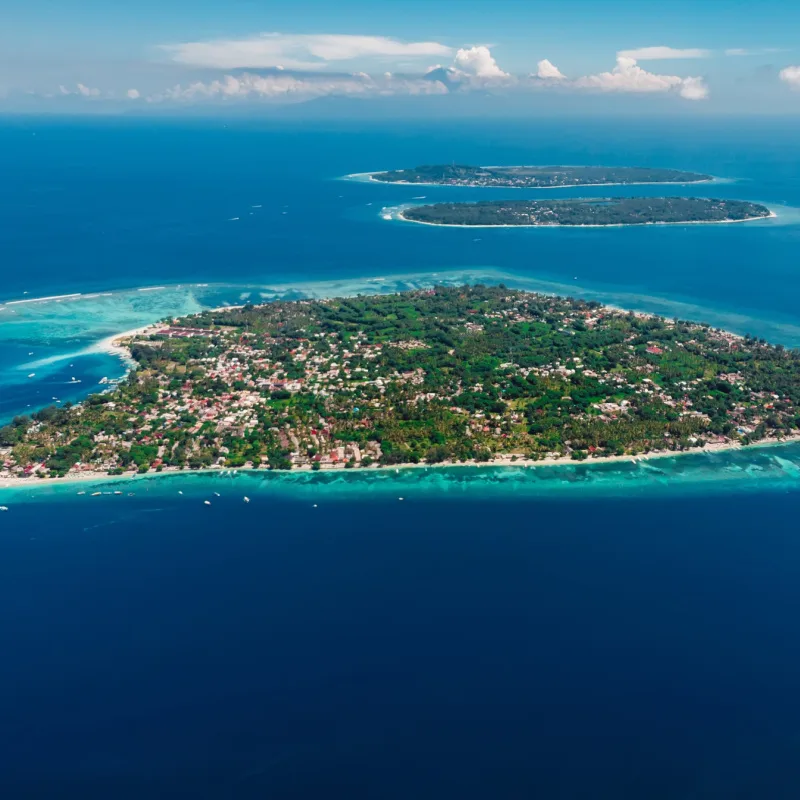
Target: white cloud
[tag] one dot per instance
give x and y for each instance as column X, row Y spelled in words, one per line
column 791, row 75
column 297, row 51
column 662, row 52
column 288, row 87
column 549, row 71
column 87, row 92
column 479, row 62
column 628, row 76
column 761, row 51
column 133, row 94
column 694, row 89
column 80, row 89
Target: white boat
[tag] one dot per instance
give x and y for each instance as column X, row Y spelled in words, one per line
column 3, row 508
column 217, row 494
column 207, row 502
column 247, row 499
column 96, row 494
column 32, row 375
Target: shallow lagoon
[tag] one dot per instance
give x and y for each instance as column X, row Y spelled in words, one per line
column 617, row 631
column 754, row 469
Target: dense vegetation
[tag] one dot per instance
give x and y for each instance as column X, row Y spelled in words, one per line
column 535, row 177
column 451, row 374
column 580, row 211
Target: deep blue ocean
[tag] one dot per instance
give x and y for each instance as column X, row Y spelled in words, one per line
column 621, row 632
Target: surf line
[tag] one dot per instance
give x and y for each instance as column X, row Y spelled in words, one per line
column 44, row 299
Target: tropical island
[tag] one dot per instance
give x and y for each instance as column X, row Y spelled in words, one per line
column 470, row 374
column 535, row 177
column 587, row 212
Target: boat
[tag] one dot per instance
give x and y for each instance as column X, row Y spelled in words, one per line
column 81, row 492
column 247, row 499
column 207, row 502
column 217, row 494
column 32, row 375
column 3, row 508
column 96, row 494
column 117, row 492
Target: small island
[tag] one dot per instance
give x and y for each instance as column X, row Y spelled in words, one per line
column 449, row 375
column 535, row 177
column 587, row 212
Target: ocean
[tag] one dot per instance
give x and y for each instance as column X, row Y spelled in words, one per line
column 617, row 631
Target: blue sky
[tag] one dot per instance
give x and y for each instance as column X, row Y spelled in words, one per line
column 718, row 54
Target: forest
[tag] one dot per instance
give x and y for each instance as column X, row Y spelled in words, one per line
column 581, row 211
column 445, row 375
column 535, row 177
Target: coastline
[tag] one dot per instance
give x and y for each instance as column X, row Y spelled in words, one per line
column 370, row 176
column 118, row 344
column 772, row 215
column 505, row 461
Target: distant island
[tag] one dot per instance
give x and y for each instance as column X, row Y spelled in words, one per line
column 470, row 374
column 535, row 177
column 581, row 211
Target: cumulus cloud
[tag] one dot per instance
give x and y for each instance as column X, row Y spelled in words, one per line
column 549, row 71
column 693, row 89
column 290, row 87
column 87, row 91
column 628, row 76
column 662, row 52
column 791, row 75
column 80, row 90
column 296, row 51
column 478, row 61
column 133, row 94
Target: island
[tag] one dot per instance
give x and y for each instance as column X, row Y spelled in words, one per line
column 587, row 212
column 449, row 375
column 535, row 177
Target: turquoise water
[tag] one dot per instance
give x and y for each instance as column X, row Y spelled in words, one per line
column 612, row 631
column 753, row 469
column 269, row 213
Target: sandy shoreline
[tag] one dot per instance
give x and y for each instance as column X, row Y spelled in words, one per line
column 504, row 461
column 114, row 344
column 370, row 176
column 117, row 344
column 772, row 215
